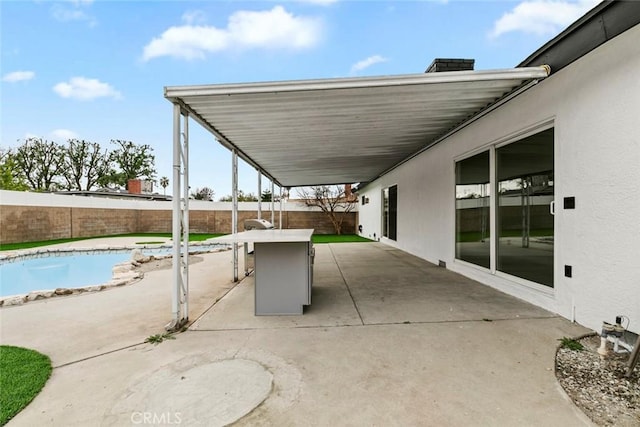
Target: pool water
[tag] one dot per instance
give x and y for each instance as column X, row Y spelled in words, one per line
column 67, row 271
column 72, row 270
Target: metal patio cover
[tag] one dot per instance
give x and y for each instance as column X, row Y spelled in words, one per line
column 346, row 130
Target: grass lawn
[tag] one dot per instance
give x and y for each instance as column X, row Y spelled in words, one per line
column 147, row 238
column 194, row 237
column 338, row 238
column 23, row 373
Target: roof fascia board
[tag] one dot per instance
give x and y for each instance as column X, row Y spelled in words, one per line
column 602, row 23
column 172, row 92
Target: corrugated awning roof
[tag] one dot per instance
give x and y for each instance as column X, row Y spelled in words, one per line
column 347, row 130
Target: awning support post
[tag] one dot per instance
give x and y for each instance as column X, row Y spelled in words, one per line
column 259, row 194
column 180, row 222
column 234, row 211
column 280, row 214
column 273, row 198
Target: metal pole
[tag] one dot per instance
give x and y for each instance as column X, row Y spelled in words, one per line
column 259, row 194
column 175, row 232
column 185, row 220
column 234, row 211
column 280, row 215
column 493, row 218
column 273, row 197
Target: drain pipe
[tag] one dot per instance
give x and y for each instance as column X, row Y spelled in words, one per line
column 610, row 333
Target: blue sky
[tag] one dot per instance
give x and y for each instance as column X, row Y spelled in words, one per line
column 96, row 70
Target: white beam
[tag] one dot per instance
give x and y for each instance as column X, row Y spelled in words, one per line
column 273, row 197
column 180, row 224
column 234, row 211
column 280, row 215
column 259, row 194
column 185, row 220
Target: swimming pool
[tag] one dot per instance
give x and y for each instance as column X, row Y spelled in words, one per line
column 44, row 269
column 51, row 272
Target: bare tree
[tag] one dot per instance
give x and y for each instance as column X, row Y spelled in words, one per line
column 84, row 162
column 334, row 201
column 41, row 163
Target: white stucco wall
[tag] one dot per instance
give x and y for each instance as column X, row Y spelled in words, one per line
column 594, row 106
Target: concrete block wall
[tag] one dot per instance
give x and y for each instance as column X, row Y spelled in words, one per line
column 33, row 223
column 29, row 221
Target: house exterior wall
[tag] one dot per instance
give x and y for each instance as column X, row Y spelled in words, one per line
column 594, row 106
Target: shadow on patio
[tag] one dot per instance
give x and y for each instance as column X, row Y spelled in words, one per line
column 374, row 284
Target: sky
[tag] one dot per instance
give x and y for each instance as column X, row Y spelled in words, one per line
column 96, row 70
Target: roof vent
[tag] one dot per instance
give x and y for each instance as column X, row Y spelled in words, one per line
column 450, row 64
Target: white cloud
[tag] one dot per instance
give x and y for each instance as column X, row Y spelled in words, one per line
column 18, row 76
column 366, row 63
column 194, row 17
column 85, row 89
column 63, row 134
column 541, row 17
column 275, row 28
column 73, row 10
column 319, row 2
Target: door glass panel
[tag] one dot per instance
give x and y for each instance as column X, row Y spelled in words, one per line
column 472, row 210
column 393, row 212
column 385, row 212
column 524, row 218
column 390, row 212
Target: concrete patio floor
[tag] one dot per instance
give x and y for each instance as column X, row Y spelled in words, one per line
column 389, row 340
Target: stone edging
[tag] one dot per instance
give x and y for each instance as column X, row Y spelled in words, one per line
column 122, row 273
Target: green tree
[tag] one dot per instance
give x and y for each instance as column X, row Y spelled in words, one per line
column 10, row 176
column 41, row 162
column 129, row 161
column 84, row 163
column 266, row 196
column 164, row 183
column 249, row 197
column 204, row 193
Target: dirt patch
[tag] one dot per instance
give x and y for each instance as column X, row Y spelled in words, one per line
column 600, row 388
column 164, row 263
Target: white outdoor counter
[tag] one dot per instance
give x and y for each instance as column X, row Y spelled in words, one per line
column 283, row 268
column 267, row 236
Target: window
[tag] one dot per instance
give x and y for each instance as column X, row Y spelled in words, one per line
column 472, row 210
column 524, row 219
column 524, row 193
column 390, row 212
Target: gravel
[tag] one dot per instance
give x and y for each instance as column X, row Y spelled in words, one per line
column 600, row 388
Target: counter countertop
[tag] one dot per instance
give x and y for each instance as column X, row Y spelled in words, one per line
column 266, row 236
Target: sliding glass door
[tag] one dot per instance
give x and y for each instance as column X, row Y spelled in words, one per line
column 524, row 228
column 524, row 215
column 472, row 210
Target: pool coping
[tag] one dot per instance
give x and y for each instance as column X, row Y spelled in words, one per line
column 123, row 273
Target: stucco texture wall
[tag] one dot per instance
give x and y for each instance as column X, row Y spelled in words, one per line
column 594, row 108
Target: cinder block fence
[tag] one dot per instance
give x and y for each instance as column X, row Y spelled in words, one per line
column 29, row 217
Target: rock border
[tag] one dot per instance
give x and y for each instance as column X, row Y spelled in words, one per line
column 123, row 273
column 599, row 389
